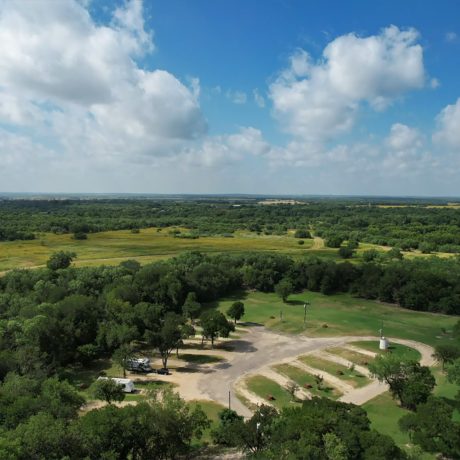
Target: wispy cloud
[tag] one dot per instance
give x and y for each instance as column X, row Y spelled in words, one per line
column 237, row 97
column 450, row 37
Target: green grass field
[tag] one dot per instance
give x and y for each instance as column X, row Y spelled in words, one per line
column 150, row 244
column 352, row 377
column 304, row 378
column 350, row 355
column 113, row 247
column 342, row 314
column 384, row 414
column 394, row 348
column 265, row 387
column 212, row 410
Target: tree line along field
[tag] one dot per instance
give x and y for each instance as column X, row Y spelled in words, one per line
column 147, row 245
column 425, row 225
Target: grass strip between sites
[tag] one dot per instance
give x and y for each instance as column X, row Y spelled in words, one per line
column 353, row 356
column 307, row 381
column 266, row 389
column 348, row 375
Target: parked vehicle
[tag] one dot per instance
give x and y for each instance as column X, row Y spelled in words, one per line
column 138, row 365
column 126, row 384
column 163, row 371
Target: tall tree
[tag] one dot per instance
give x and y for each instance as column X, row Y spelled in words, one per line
column 191, row 308
column 168, row 337
column 284, row 289
column 446, row 353
column 107, row 390
column 61, row 259
column 215, row 325
column 236, row 310
column 410, row 382
column 433, row 429
column 122, row 355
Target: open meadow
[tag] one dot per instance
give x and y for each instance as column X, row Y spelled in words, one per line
column 341, row 315
column 113, row 247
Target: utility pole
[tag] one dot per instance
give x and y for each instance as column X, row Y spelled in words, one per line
column 305, row 312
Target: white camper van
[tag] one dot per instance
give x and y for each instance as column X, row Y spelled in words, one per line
column 126, row 384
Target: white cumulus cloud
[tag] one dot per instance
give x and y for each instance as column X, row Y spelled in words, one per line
column 318, row 100
column 67, row 77
column 447, row 134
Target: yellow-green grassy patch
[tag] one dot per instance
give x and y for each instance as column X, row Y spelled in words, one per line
column 352, row 377
column 307, row 381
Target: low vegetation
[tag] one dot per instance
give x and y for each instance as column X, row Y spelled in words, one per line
column 308, row 381
column 269, row 390
column 347, row 374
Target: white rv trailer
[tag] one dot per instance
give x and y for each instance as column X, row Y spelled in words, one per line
column 126, row 384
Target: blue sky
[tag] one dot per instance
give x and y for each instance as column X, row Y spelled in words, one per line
column 213, row 96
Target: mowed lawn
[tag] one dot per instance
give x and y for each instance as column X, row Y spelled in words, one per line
column 350, row 376
column 394, row 348
column 341, row 315
column 308, row 381
column 267, row 388
column 111, row 248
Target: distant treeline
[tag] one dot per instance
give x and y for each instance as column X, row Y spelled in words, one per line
column 407, row 227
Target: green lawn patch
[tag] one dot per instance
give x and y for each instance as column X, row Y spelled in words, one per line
column 395, row 349
column 352, row 377
column 307, row 381
column 384, row 414
column 339, row 315
column 212, row 410
column 265, row 387
column 353, row 356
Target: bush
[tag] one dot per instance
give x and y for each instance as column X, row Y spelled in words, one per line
column 302, row 234
column 346, row 253
column 80, row 236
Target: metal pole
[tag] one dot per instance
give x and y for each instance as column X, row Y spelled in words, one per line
column 229, row 405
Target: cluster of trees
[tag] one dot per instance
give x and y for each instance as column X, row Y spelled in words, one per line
column 319, row 429
column 62, row 316
column 430, row 424
column 413, row 225
column 39, row 420
column 59, row 315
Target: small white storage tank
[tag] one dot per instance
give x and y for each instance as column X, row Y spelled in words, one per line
column 384, row 343
column 126, row 384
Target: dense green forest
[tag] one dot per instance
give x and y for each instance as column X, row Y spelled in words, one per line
column 404, row 224
column 59, row 317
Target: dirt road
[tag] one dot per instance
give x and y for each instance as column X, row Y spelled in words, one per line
column 260, row 348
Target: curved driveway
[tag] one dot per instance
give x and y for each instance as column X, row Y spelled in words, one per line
column 259, row 348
